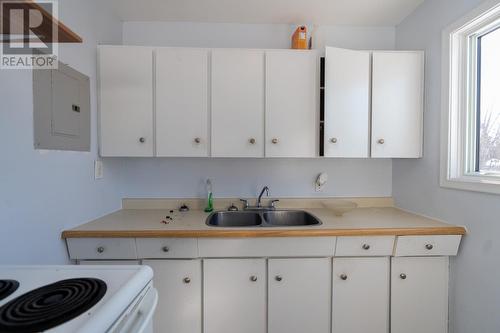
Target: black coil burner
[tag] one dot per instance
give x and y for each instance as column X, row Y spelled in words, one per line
column 7, row 287
column 50, row 305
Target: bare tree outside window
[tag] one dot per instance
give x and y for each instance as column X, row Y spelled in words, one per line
column 488, row 136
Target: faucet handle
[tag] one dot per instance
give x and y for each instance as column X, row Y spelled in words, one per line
column 272, row 204
column 246, row 204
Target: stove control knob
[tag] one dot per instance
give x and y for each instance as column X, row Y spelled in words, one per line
column 165, row 249
column 100, row 249
column 187, row 280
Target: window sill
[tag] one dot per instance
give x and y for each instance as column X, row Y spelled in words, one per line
column 485, row 184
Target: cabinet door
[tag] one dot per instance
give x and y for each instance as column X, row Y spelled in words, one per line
column 419, row 295
column 237, row 103
column 360, row 295
column 234, row 295
column 397, row 104
column 291, row 103
column 347, row 103
column 179, row 295
column 126, row 101
column 299, row 295
column 182, row 102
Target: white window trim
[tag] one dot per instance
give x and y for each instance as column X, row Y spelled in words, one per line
column 455, row 100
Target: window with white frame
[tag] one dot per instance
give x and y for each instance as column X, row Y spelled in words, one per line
column 471, row 101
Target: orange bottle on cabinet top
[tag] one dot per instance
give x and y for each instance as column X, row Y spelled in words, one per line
column 299, row 38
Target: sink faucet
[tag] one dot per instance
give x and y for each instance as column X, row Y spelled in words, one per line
column 259, row 199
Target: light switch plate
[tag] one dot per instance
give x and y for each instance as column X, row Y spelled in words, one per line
column 98, row 169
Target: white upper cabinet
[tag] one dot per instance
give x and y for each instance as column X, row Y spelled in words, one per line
column 291, row 103
column 182, row 102
column 397, row 104
column 237, row 103
column 126, row 101
column 347, row 103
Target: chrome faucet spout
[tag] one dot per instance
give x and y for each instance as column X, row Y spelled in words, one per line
column 259, row 199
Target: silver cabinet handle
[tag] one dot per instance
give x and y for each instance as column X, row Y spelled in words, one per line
column 187, row 280
column 252, row 141
column 381, row 141
column 197, row 140
column 278, row 278
column 333, row 140
column 429, row 247
column 366, row 247
column 253, row 278
column 402, row 276
column 100, row 249
column 165, row 249
column 274, row 141
column 343, row 277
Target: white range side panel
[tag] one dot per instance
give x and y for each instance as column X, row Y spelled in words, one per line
column 232, row 301
column 237, row 103
column 397, row 104
column 182, row 102
column 361, row 301
column 179, row 304
column 347, row 103
column 301, row 301
column 291, row 103
column 419, row 303
column 126, row 101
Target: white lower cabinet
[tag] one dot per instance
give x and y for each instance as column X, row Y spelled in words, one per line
column 179, row 285
column 360, row 295
column 419, row 295
column 299, row 295
column 234, row 295
column 290, row 285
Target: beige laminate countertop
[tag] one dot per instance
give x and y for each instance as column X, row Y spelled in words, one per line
column 147, row 223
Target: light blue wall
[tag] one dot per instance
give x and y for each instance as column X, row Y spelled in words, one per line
column 42, row 193
column 475, row 273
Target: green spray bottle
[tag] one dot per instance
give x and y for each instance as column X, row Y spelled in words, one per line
column 210, row 198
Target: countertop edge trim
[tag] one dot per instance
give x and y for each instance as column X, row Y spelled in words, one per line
column 261, row 233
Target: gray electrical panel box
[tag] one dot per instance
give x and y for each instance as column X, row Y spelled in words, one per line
column 61, row 109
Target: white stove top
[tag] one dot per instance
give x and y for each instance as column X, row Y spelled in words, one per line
column 124, row 284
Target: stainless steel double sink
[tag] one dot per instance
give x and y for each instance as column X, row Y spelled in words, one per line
column 266, row 218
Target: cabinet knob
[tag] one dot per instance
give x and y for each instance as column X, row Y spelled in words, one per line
column 252, row 141
column 381, row 141
column 278, row 278
column 100, row 249
column 197, row 140
column 253, row 278
column 366, row 246
column 333, row 140
column 142, row 140
column 274, row 141
column 187, row 280
column 402, row 276
column 343, row 277
column 165, row 249
column 429, row 247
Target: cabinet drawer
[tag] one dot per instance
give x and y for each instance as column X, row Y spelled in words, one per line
column 445, row 245
column 267, row 247
column 364, row 246
column 101, row 248
column 152, row 248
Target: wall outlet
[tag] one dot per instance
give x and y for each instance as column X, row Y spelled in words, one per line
column 98, row 169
